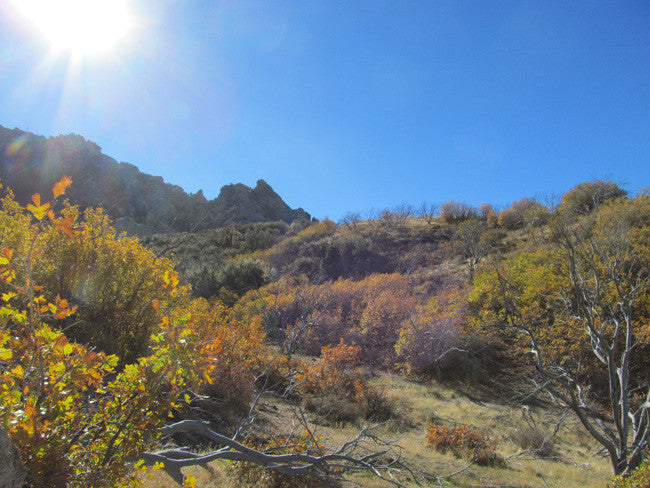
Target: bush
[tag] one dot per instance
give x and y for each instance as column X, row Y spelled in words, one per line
column 521, row 213
column 337, row 388
column 532, row 438
column 111, row 278
column 239, row 356
column 243, row 275
column 586, row 197
column 639, row 478
column 428, row 336
column 456, row 212
column 463, row 442
column 75, row 419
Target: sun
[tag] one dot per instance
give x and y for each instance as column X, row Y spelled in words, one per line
column 81, row 27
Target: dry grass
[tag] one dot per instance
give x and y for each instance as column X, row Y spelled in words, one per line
column 572, row 463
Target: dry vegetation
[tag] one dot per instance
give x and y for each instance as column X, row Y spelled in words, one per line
column 307, row 335
column 571, row 462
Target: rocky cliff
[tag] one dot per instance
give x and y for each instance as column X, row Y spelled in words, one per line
column 138, row 202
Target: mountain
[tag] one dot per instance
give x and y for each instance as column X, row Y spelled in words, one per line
column 138, row 202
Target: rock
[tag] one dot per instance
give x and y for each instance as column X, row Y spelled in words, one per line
column 138, row 202
column 12, row 471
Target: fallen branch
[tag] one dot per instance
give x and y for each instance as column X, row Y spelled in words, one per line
column 328, row 467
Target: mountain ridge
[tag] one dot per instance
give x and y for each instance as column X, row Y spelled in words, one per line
column 138, row 202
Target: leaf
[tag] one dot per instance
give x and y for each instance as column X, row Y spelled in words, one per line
column 5, row 354
column 65, row 226
column 61, row 186
column 5, row 255
column 37, row 209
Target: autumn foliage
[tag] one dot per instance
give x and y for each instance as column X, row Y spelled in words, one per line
column 463, row 442
column 337, row 380
column 74, row 416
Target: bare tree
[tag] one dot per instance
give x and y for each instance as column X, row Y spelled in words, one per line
column 351, row 220
column 470, row 232
column 428, row 212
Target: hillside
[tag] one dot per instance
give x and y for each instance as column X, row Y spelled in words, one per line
column 138, row 202
column 406, row 348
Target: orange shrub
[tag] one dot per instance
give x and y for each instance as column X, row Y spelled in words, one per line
column 230, row 354
column 463, row 442
column 336, row 374
column 368, row 312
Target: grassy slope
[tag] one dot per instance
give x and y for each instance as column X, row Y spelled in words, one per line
column 431, row 256
column 573, row 465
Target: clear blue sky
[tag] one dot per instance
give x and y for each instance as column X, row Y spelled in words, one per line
column 352, row 105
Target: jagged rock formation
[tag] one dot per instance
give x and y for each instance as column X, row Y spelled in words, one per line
column 138, row 202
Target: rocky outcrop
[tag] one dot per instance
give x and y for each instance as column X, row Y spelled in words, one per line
column 241, row 204
column 138, row 202
column 12, row 471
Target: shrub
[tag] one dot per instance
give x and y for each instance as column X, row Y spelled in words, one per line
column 75, row 420
column 532, row 438
column 463, row 442
column 238, row 357
column 431, row 332
column 521, row 213
column 111, row 278
column 335, row 386
column 243, row 275
column 352, row 256
column 586, row 197
column 455, row 212
column 639, row 478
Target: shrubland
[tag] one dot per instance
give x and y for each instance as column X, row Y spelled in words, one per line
column 267, row 333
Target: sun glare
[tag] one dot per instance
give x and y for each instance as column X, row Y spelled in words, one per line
column 79, row 26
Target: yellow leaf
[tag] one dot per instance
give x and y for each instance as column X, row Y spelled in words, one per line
column 37, row 209
column 5, row 354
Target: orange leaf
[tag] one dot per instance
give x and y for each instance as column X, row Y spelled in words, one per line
column 61, row 186
column 65, row 226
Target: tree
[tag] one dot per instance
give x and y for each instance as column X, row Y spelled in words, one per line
column 485, row 209
column 470, row 232
column 581, row 302
column 428, row 212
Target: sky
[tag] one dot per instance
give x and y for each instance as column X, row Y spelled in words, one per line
column 350, row 106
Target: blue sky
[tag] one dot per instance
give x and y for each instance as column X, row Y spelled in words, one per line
column 348, row 106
